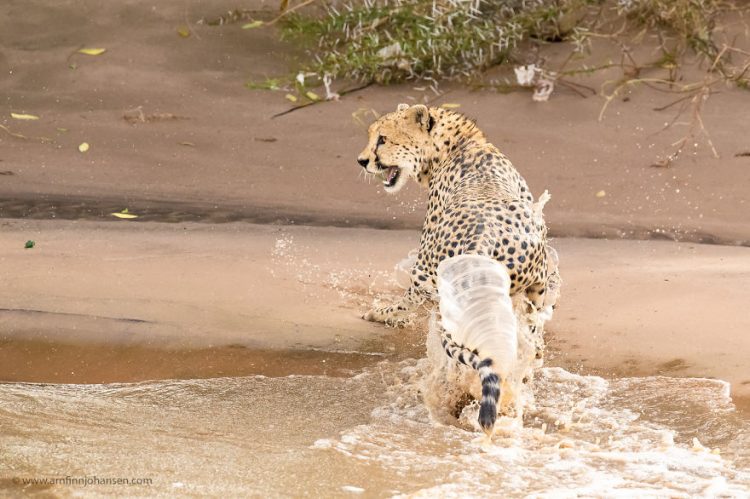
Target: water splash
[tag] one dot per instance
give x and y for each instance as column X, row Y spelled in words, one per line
column 581, row 440
column 291, row 258
column 328, row 437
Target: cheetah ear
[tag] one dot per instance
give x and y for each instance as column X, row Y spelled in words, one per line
column 402, row 107
column 421, row 116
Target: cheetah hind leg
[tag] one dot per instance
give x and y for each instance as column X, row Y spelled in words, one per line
column 399, row 313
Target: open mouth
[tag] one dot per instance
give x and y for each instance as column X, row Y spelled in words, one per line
column 390, row 176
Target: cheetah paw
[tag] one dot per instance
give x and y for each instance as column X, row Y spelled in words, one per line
column 380, row 315
column 376, row 315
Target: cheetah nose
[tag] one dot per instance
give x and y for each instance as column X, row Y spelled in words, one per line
column 363, row 162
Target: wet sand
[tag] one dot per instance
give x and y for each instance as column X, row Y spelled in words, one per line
column 215, row 300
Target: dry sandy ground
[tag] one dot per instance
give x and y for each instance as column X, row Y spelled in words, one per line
column 240, row 298
column 143, row 301
column 300, row 167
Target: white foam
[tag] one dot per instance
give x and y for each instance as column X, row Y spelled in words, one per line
column 599, row 447
column 352, row 489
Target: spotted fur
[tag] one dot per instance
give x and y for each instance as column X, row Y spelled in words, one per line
column 478, row 204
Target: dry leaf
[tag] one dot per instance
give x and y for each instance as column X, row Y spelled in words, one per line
column 450, row 105
column 183, row 31
column 542, row 91
column 124, row 215
column 83, row 147
column 601, row 194
column 92, row 51
column 185, row 143
column 312, row 96
column 291, row 98
column 252, row 25
column 24, row 116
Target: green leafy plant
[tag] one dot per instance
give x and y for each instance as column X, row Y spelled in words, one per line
column 385, row 41
column 391, row 40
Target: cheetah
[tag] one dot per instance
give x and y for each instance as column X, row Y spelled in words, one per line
column 478, row 204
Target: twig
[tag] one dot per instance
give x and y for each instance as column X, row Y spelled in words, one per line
column 699, row 98
column 705, row 97
column 312, row 103
column 572, row 72
column 295, row 108
column 277, row 18
column 187, row 23
column 690, row 87
column 438, row 97
column 43, row 140
column 667, row 106
column 12, row 134
column 676, row 116
column 75, row 51
column 575, row 86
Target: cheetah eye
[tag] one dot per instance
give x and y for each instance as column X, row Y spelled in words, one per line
column 381, row 140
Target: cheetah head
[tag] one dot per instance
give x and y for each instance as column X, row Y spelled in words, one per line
column 397, row 147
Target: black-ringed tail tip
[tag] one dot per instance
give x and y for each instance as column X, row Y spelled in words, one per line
column 490, row 380
column 490, row 396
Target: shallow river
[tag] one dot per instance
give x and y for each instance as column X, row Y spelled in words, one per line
column 370, row 435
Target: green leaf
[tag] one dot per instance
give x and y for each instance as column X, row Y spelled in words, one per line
column 29, row 244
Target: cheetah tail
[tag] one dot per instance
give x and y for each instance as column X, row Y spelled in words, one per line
column 477, row 315
column 488, row 378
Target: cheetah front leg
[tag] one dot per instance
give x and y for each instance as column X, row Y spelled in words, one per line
column 397, row 314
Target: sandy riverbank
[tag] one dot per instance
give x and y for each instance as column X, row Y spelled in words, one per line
column 96, row 302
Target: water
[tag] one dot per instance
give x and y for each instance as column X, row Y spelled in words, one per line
column 368, row 428
column 371, row 435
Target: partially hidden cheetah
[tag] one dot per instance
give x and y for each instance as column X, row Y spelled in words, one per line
column 478, row 205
